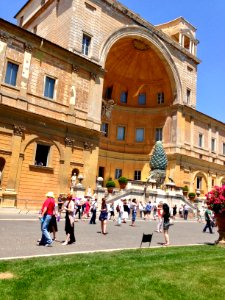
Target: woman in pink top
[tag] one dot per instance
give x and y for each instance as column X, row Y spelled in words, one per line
column 87, row 208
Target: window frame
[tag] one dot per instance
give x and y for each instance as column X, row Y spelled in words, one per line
column 200, row 140
column 47, row 164
column 140, row 95
column 118, row 173
column 108, row 92
column 85, row 50
column 143, row 137
column 124, row 134
column 106, row 133
column 137, row 174
column 54, row 88
column 10, row 82
column 125, row 94
column 223, row 148
column 159, row 129
column 213, row 145
column 188, row 96
column 199, row 182
column 160, row 98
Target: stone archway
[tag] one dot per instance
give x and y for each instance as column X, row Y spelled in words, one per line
column 200, row 178
column 144, row 35
column 141, row 83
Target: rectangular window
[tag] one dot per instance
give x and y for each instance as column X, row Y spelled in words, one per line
column 188, row 96
column 223, row 148
column 86, row 44
column 137, row 175
column 123, row 97
column 213, row 145
column 108, row 92
column 11, row 73
column 213, row 182
column 118, row 173
column 139, row 134
column 199, row 183
column 142, row 99
column 49, row 87
column 158, row 134
column 120, row 133
column 42, row 153
column 101, row 172
column 200, row 140
column 105, row 129
column 160, row 97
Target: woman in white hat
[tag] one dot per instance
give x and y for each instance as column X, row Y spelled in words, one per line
column 47, row 212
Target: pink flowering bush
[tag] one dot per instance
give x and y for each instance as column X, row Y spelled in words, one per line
column 215, row 199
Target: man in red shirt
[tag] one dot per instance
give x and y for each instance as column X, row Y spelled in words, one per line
column 47, row 210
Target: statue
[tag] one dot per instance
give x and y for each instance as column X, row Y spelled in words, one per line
column 73, row 180
column 158, row 164
column 107, row 106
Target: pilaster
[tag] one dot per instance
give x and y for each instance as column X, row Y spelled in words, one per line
column 65, row 166
column 95, row 99
column 3, row 47
column 26, row 69
column 75, row 70
column 10, row 193
column 192, row 132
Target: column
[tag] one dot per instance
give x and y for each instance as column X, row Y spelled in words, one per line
column 190, row 46
column 180, row 38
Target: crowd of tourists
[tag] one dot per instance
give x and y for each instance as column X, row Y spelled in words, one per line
column 87, row 208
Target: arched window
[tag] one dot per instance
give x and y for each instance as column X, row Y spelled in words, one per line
column 76, row 171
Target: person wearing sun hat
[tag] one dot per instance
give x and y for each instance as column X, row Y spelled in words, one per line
column 47, row 211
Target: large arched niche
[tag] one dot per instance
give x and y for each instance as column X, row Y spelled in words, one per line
column 137, row 61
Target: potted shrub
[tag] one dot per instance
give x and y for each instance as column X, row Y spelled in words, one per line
column 110, row 184
column 192, row 196
column 185, row 190
column 215, row 200
column 122, row 182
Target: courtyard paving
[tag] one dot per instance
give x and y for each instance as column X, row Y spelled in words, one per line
column 19, row 233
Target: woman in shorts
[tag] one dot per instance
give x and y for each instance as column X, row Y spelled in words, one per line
column 166, row 223
column 103, row 216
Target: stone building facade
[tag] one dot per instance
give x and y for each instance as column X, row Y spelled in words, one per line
column 96, row 86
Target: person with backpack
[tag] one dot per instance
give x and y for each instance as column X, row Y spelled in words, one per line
column 148, row 209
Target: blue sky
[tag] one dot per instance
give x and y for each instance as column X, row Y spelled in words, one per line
column 208, row 16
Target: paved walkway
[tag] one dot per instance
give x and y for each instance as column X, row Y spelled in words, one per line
column 19, row 233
